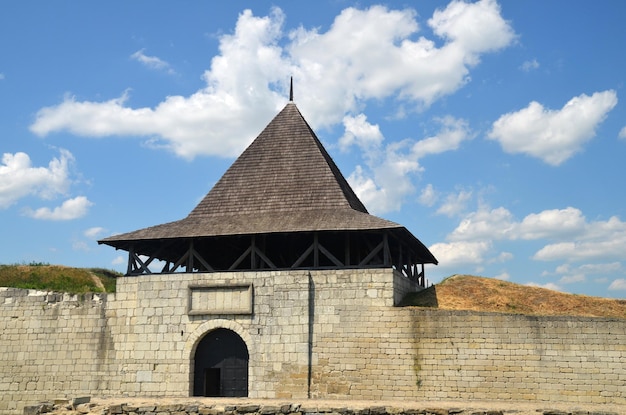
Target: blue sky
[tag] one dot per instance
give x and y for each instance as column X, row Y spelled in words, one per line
column 494, row 131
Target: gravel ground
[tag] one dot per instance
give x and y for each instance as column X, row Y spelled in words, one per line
column 312, row 405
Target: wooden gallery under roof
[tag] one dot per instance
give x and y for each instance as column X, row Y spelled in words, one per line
column 282, row 205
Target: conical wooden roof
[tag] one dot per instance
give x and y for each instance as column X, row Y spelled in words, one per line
column 284, row 182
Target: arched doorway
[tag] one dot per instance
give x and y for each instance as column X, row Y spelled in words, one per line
column 221, row 365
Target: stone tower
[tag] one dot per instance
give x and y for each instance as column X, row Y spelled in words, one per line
column 281, row 217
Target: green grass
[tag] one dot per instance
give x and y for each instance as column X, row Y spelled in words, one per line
column 46, row 277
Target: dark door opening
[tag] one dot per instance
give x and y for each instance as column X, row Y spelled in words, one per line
column 212, row 382
column 221, row 365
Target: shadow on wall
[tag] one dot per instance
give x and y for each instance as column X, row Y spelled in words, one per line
column 424, row 298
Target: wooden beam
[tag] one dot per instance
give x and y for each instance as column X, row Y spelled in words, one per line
column 197, row 256
column 302, row 257
column 386, row 253
column 144, row 267
column 131, row 255
column 180, row 261
column 240, row 259
column 330, row 256
column 253, row 252
column 372, row 254
column 264, row 258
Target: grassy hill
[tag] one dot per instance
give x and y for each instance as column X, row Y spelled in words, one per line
column 465, row 292
column 58, row 278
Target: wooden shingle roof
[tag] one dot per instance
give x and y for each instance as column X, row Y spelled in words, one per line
column 284, row 182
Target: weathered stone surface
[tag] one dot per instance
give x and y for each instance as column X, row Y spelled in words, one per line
column 80, row 400
column 84, row 408
column 32, row 409
column 246, row 409
column 270, row 410
column 116, row 409
column 141, row 340
column 198, row 409
column 168, row 408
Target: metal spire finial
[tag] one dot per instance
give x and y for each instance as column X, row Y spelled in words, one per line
column 291, row 90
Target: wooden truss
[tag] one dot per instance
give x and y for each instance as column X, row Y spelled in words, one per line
column 255, row 252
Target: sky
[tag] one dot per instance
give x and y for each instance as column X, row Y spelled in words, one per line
column 494, row 131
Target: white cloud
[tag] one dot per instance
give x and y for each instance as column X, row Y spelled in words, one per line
column 576, row 239
column 455, row 203
column 597, row 241
column 484, row 224
column 502, row 257
column 360, row 132
column 554, row 223
column 476, row 27
column 553, row 135
column 504, row 276
column 622, row 133
column 95, row 232
column 618, row 285
column 428, row 196
column 550, row 286
column 70, row 209
column 452, row 133
column 18, row 177
column 372, row 196
column 384, row 187
column 366, row 54
column 573, row 240
column 207, row 122
column 152, row 62
column 1, row 76
column 608, row 268
column 461, row 253
column 530, row 65
column 573, row 278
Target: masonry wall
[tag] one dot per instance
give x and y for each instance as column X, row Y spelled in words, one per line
column 156, row 330
column 331, row 334
column 504, row 356
column 53, row 345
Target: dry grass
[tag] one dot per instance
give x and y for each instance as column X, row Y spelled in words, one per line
column 465, row 292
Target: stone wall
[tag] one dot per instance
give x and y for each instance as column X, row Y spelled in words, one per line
column 156, row 326
column 320, row 334
column 52, row 345
column 463, row 355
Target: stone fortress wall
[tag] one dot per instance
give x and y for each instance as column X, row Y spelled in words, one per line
column 309, row 334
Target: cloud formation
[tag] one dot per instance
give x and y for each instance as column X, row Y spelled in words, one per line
column 530, row 65
column 19, row 178
column 380, row 56
column 618, row 285
column 70, row 209
column 95, row 232
column 553, row 135
column 386, row 180
column 152, row 62
column 566, row 236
